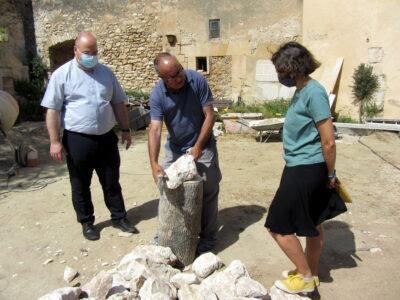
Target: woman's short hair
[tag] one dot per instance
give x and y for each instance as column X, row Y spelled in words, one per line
column 294, row 60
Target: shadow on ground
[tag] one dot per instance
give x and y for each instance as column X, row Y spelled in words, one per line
column 339, row 249
column 146, row 211
column 233, row 221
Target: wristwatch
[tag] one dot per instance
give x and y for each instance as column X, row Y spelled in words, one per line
column 333, row 176
column 126, row 130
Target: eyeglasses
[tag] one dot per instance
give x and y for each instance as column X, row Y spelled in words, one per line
column 173, row 77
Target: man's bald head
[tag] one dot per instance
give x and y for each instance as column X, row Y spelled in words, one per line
column 86, row 44
column 165, row 62
column 170, row 71
column 85, row 38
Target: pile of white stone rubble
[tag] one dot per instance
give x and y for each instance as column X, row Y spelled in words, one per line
column 148, row 273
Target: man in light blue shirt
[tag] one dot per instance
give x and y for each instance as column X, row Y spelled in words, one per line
column 85, row 98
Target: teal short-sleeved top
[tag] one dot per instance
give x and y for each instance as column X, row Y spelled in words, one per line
column 301, row 139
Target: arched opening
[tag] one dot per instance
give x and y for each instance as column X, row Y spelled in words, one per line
column 61, row 53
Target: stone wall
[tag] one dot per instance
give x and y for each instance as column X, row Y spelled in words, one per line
column 220, row 77
column 125, row 30
column 13, row 62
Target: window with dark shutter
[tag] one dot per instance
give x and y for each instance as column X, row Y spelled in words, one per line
column 201, row 64
column 214, row 28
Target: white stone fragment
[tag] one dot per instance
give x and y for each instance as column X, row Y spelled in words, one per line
column 70, row 274
column 154, row 288
column 375, row 250
column 47, row 261
column 66, row 293
column 125, row 295
column 247, row 287
column 205, row 264
column 220, row 284
column 181, row 279
column 236, row 270
column 156, row 254
column 188, row 292
column 183, row 169
column 99, row 286
column 125, row 234
column 277, row 294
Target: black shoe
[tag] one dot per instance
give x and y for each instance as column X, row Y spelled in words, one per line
column 90, row 232
column 124, row 225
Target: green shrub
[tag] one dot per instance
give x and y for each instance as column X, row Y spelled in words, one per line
column 29, row 107
column 365, row 84
column 269, row 109
column 138, row 94
column 345, row 119
column 32, row 92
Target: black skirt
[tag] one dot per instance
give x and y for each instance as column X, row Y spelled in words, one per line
column 303, row 201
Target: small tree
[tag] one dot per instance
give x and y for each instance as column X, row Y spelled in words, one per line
column 365, row 84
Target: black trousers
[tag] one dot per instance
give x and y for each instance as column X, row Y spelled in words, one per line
column 86, row 153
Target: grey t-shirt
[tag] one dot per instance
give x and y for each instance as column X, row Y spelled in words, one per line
column 182, row 111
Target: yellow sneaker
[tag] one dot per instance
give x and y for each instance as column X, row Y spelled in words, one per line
column 287, row 273
column 295, row 284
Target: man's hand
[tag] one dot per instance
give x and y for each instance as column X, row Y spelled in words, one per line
column 157, row 171
column 126, row 137
column 56, row 151
column 195, row 152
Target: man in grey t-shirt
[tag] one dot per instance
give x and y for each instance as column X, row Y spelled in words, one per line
column 183, row 100
column 84, row 97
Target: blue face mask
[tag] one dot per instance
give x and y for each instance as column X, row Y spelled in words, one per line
column 287, row 81
column 88, row 61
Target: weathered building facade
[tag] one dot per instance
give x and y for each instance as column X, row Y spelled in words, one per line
column 13, row 54
column 229, row 41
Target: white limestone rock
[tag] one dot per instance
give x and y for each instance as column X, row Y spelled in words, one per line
column 99, row 286
column 154, row 288
column 221, row 285
column 134, row 270
column 205, row 264
column 181, row 279
column 236, row 270
column 183, row 169
column 187, row 293
column 70, row 274
column 155, row 254
column 277, row 294
column 247, row 287
column 66, row 293
column 163, row 272
column 125, row 295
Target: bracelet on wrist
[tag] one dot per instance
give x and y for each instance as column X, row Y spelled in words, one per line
column 333, row 175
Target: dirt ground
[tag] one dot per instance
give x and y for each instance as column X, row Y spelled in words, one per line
column 360, row 258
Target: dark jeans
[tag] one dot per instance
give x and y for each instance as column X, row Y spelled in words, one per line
column 86, row 153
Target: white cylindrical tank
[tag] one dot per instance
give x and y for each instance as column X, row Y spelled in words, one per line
column 9, row 110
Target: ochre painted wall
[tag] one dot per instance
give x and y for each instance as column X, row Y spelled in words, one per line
column 360, row 32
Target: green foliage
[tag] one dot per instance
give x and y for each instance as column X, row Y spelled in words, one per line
column 29, row 107
column 372, row 109
column 32, row 92
column 38, row 72
column 365, row 84
column 269, row 109
column 3, row 34
column 137, row 94
column 345, row 119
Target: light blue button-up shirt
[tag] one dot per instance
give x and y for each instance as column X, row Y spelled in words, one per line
column 84, row 97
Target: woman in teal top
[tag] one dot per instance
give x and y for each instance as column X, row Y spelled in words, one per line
column 304, row 197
